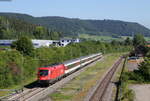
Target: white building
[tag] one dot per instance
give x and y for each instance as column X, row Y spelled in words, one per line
column 43, row 43
column 64, row 42
column 6, row 42
column 36, row 43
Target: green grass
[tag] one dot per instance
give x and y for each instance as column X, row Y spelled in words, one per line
column 126, row 93
column 61, row 96
column 5, row 47
column 106, row 38
column 96, row 37
column 4, row 93
column 147, row 38
column 19, row 86
column 78, row 88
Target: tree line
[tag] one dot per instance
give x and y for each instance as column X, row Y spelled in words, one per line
column 142, row 75
column 20, row 63
column 15, row 28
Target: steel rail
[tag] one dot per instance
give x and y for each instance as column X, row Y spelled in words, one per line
column 99, row 93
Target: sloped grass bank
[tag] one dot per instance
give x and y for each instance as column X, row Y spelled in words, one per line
column 124, row 92
column 78, row 88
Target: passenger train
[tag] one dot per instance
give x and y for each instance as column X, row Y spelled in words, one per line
column 52, row 73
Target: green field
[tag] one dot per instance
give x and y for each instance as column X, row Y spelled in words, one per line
column 96, row 37
column 147, row 38
column 106, row 38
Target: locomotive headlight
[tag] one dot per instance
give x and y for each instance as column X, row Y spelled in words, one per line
column 49, row 72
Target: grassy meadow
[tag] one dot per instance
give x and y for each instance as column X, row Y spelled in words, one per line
column 106, row 38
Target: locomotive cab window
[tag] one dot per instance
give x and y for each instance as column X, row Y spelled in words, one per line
column 43, row 72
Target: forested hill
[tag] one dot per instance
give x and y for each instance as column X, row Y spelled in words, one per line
column 12, row 28
column 70, row 26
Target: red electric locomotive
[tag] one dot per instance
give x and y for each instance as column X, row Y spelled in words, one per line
column 48, row 74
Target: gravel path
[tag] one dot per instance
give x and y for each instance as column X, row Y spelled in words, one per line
column 142, row 92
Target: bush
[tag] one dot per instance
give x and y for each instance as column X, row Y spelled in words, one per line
column 126, row 93
column 10, row 68
column 145, row 70
column 23, row 45
column 15, row 67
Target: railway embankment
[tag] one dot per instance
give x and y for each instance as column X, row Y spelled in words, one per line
column 135, row 82
column 78, row 88
column 123, row 93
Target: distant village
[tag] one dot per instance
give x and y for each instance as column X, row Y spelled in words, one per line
column 44, row 43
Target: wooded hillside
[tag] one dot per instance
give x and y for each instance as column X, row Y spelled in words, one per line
column 12, row 28
column 73, row 27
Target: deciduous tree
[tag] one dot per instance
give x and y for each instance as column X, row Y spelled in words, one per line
column 24, row 45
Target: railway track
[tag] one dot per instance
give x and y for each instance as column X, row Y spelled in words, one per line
column 26, row 94
column 100, row 91
column 36, row 93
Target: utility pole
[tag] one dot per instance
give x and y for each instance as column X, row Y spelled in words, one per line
column 22, row 61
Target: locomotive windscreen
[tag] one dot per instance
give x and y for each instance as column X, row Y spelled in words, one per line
column 43, row 72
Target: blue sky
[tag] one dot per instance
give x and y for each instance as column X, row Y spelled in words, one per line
column 127, row 10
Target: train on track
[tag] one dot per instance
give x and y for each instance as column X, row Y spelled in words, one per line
column 52, row 73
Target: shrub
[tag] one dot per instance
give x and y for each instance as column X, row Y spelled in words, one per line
column 23, row 45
